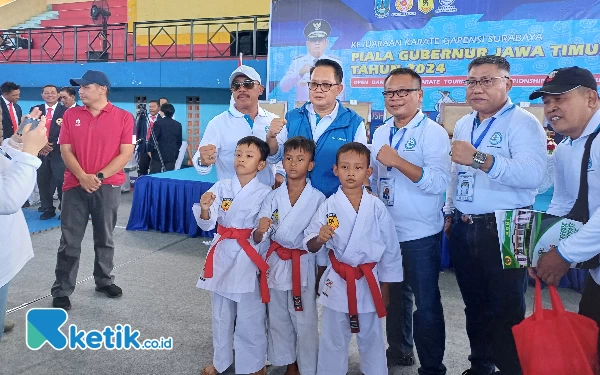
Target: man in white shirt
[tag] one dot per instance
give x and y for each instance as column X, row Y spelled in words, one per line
column 572, row 107
column 154, row 112
column 243, row 118
column 50, row 175
column 411, row 172
column 499, row 160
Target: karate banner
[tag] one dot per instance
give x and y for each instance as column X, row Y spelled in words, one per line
column 436, row 38
column 524, row 235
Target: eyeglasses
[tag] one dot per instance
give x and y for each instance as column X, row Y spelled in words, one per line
column 324, row 86
column 484, row 82
column 248, row 85
column 401, row 93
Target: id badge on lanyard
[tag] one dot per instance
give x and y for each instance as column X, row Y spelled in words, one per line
column 387, row 184
column 465, row 186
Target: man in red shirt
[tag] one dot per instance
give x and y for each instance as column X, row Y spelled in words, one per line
column 96, row 141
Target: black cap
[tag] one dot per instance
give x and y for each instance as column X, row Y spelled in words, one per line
column 317, row 29
column 564, row 80
column 92, row 76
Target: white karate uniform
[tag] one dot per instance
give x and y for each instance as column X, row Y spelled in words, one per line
column 364, row 237
column 239, row 316
column 224, row 131
column 293, row 335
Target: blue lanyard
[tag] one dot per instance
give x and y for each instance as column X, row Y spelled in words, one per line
column 480, row 139
column 394, row 130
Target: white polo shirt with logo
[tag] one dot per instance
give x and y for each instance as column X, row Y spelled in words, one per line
column 518, row 143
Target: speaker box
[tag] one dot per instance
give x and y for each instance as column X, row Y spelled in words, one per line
column 245, row 43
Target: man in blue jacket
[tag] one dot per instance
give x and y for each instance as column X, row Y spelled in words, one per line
column 324, row 120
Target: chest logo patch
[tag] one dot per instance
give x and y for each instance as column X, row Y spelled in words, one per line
column 332, row 221
column 410, row 144
column 59, row 121
column 275, row 216
column 226, row 203
column 496, row 138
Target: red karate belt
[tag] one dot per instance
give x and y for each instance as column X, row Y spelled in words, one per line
column 294, row 255
column 241, row 236
column 350, row 275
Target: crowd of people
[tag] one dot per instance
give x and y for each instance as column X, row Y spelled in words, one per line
column 307, row 212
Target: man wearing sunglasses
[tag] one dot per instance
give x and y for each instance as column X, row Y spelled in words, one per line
column 411, row 163
column 298, row 74
column 499, row 160
column 324, row 120
column 243, row 118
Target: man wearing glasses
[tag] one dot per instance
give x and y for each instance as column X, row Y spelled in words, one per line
column 411, row 172
column 298, row 74
column 499, row 153
column 324, row 120
column 243, row 118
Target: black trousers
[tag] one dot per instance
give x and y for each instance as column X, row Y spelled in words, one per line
column 103, row 205
column 590, row 304
column 143, row 164
column 155, row 166
column 50, row 176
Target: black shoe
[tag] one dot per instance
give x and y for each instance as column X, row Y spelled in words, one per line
column 40, row 209
column 47, row 215
column 8, row 326
column 111, row 291
column 61, row 303
column 406, row 360
column 26, row 204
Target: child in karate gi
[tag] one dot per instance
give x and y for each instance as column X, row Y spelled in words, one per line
column 356, row 231
column 235, row 271
column 293, row 320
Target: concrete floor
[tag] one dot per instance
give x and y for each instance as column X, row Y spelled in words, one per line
column 158, row 274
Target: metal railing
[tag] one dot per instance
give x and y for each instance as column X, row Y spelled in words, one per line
column 151, row 40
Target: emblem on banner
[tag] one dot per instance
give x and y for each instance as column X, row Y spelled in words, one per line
column 404, row 6
column 382, row 8
column 446, row 6
column 425, row 6
column 333, row 221
column 226, row 203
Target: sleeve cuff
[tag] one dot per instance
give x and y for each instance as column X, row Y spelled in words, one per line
column 422, row 174
column 24, row 158
column 276, row 157
column 494, row 171
column 562, row 256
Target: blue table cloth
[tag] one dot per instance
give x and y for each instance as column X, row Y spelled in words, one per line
column 164, row 201
column 575, row 279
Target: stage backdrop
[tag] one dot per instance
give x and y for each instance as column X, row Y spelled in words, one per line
column 436, row 38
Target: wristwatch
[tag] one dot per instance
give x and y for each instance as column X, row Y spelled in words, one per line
column 479, row 159
column 100, row 176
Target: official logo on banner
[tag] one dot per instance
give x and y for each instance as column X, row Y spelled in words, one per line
column 382, row 8
column 426, row 6
column 226, row 203
column 333, row 221
column 446, row 6
column 404, row 6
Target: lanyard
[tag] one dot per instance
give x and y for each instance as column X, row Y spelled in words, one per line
column 394, row 130
column 485, row 131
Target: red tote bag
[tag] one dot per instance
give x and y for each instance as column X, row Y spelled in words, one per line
column 556, row 342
